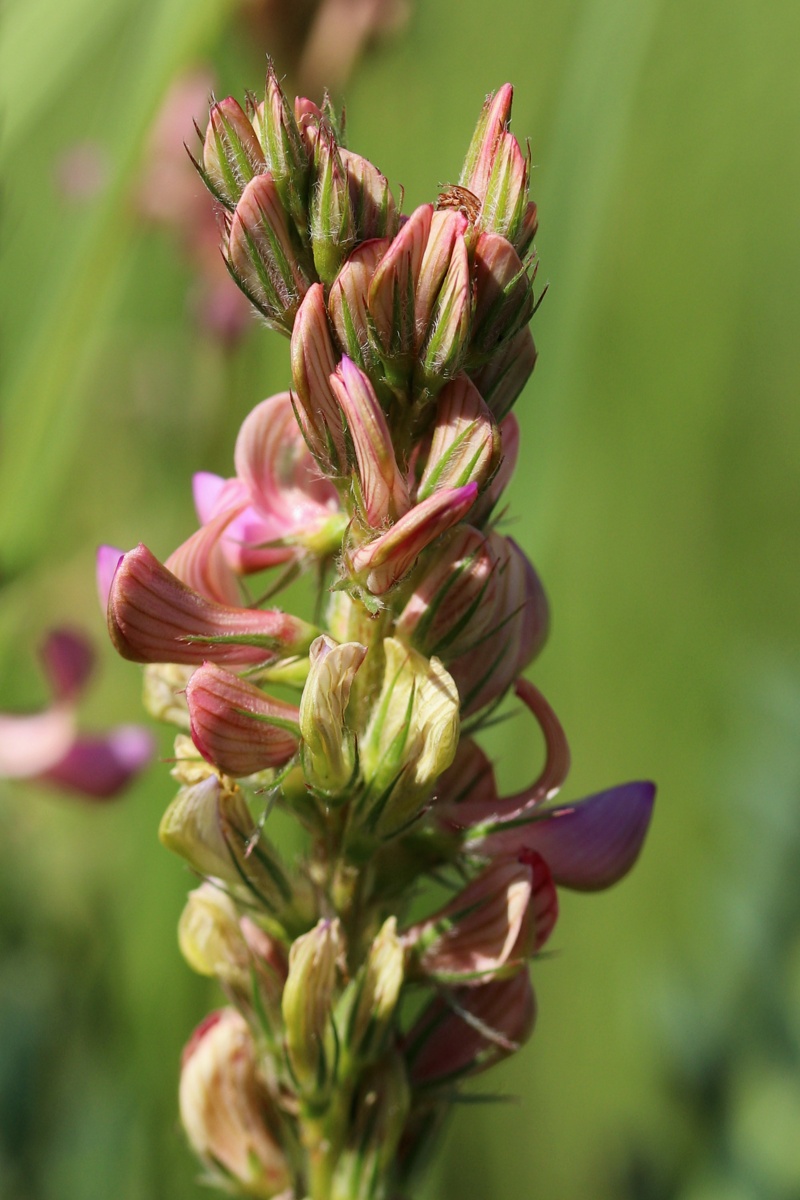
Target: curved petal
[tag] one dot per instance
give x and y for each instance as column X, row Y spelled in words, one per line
column 202, row 564
column 103, row 765
column 33, row 743
column 107, row 560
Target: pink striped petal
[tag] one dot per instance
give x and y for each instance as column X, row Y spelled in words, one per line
column 201, row 563
column 154, row 617
column 236, row 726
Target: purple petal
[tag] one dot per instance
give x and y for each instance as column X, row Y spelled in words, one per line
column 101, row 766
column 67, row 657
column 588, row 845
column 108, row 559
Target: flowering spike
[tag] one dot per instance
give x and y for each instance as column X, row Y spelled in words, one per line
column 236, row 726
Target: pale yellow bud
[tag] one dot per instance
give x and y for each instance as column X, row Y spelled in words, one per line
column 307, row 1007
column 328, row 748
column 210, row 938
column 163, row 692
column 377, row 994
column 411, row 739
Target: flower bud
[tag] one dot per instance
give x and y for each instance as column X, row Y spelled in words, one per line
column 348, row 303
column 210, row 938
column 333, row 228
column 164, row 693
column 307, row 1009
column 153, row 617
column 382, row 563
column 284, row 150
column 505, row 204
column 313, row 363
column 392, row 293
column 231, row 153
column 382, row 490
column 372, row 203
column 236, row 726
column 503, row 291
column 411, row 739
column 328, row 750
column 377, row 990
column 262, row 256
column 465, row 445
column 501, row 380
column 226, row 1109
column 490, row 928
column 492, row 124
column 380, row 1113
column 509, row 452
column 469, row 1030
column 446, row 336
column 209, row 825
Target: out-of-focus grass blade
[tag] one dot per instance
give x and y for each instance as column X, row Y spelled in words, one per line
column 43, row 44
column 44, row 401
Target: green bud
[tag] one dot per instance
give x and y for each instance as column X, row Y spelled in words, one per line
column 231, row 153
column 377, row 991
column 333, row 231
column 328, row 749
column 307, row 1008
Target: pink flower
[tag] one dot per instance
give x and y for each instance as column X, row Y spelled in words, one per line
column 46, row 746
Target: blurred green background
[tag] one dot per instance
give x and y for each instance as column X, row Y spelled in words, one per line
column 658, row 495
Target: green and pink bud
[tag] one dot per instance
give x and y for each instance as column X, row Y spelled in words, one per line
column 500, row 380
column 227, row 1112
column 347, row 304
column 392, row 300
column 236, row 726
column 328, row 749
column 465, row 445
column 333, row 225
column 371, row 201
column 285, row 154
column 504, row 300
column 314, row 360
column 443, row 301
column 232, row 156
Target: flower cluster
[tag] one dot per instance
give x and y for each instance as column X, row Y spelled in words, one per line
column 351, row 1024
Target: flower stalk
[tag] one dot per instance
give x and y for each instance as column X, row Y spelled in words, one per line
column 351, row 1025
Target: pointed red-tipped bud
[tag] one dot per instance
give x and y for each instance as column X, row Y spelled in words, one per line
column 348, row 302
column 505, row 202
column 374, row 211
column 465, row 445
column 153, row 617
column 447, row 229
column 333, row 228
column 469, row 1030
column 492, row 124
column 392, row 294
column 226, row 1109
column 504, row 294
column 262, row 255
column 313, row 363
column 382, row 563
column 383, row 493
column 503, row 377
column 232, row 155
column 236, row 726
column 452, row 605
column 285, row 152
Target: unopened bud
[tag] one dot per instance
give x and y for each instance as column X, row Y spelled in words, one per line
column 313, row 362
column 328, row 749
column 392, row 292
column 284, row 150
column 226, row 1109
column 377, row 991
column 231, row 153
column 307, row 1009
column 236, row 726
column 503, row 377
column 348, row 303
column 380, row 1113
column 333, row 229
column 372, row 203
column 210, row 938
column 382, row 490
column 410, row 741
column 383, row 562
column 209, row 825
column 262, row 256
column 465, row 446
column 492, row 124
column 505, row 203
column 504, row 294
column 446, row 338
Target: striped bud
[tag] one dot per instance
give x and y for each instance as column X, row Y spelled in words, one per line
column 501, row 380
column 226, row 1110
column 236, row 726
column 348, row 303
column 333, row 227
column 328, row 750
column 503, row 294
column 372, row 203
column 465, row 446
column 392, row 293
column 313, row 362
column 285, row 153
column 232, row 155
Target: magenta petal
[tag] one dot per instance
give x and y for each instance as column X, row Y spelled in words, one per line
column 591, row 844
column 100, row 767
column 107, row 561
column 67, row 658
